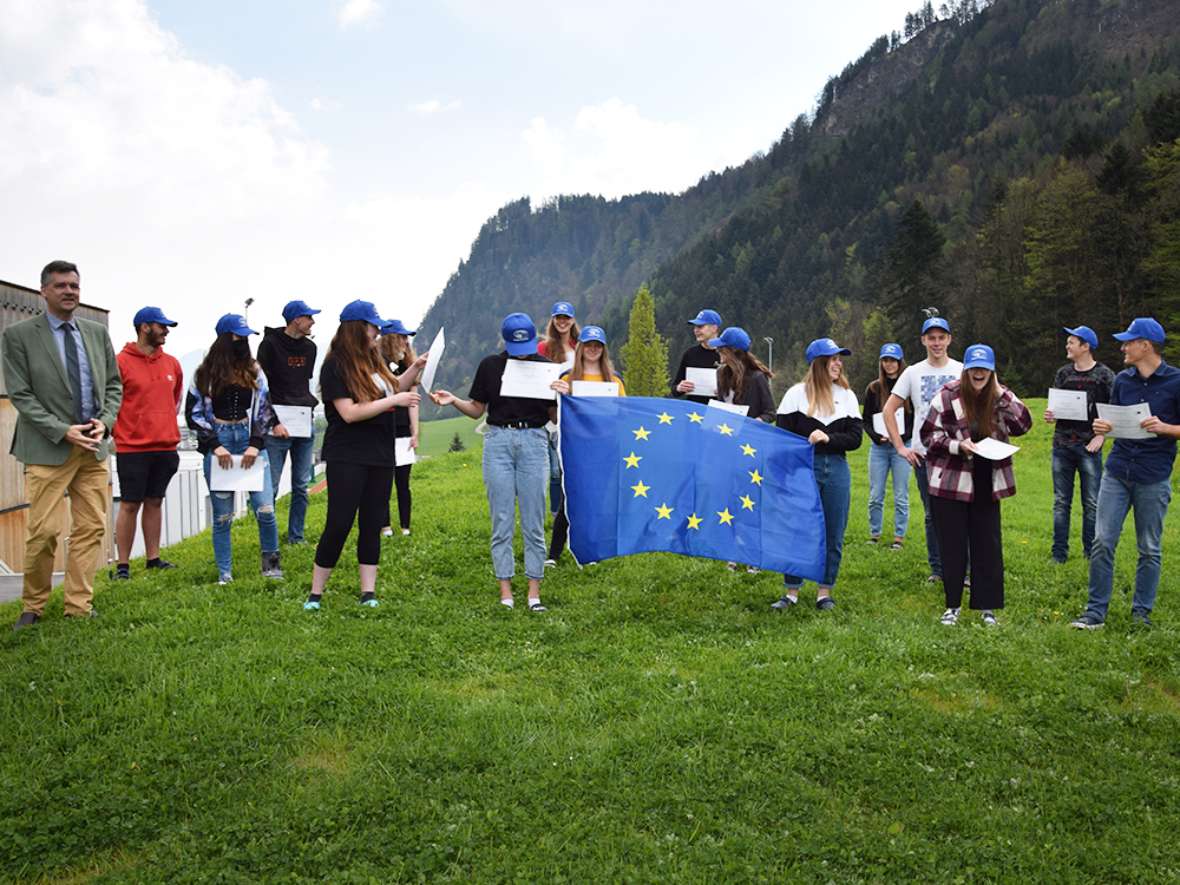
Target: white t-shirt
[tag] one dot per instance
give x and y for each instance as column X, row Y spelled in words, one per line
column 795, row 400
column 919, row 383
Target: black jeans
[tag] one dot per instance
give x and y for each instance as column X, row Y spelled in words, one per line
column 401, row 481
column 970, row 530
column 354, row 489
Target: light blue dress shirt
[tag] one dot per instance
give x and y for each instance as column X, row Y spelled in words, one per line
column 83, row 362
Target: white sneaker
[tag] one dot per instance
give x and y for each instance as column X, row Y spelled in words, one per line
column 550, row 563
column 387, row 532
column 225, row 578
column 404, row 531
column 989, row 618
column 950, row 617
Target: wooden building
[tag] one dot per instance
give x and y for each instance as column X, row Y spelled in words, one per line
column 20, row 303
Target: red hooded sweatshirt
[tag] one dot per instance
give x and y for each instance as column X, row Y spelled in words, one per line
column 152, row 388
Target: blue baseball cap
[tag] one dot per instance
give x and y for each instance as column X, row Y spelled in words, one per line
column 361, row 310
column 235, row 323
column 825, row 347
column 1142, row 327
column 151, row 315
column 298, row 308
column 519, row 333
column 936, row 323
column 562, row 309
column 979, row 356
column 1084, row 333
column 732, row 337
column 706, row 318
column 395, row 327
column 891, row 351
column 592, row 333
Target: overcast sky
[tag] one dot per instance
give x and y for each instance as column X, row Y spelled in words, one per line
column 193, row 154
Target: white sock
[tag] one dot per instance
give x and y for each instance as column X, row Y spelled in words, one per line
column 508, row 603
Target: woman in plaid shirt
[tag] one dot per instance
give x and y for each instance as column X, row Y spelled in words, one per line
column 965, row 488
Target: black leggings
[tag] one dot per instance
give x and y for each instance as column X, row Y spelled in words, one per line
column 401, row 479
column 354, row 488
column 561, row 530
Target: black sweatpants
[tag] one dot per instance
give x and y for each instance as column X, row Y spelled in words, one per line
column 401, row 481
column 970, row 529
column 354, row 489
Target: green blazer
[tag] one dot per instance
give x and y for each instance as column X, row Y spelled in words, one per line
column 40, row 389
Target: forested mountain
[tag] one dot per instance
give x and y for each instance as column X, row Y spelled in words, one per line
column 1015, row 165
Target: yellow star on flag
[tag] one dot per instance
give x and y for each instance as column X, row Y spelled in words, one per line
column 665, row 418
column 725, row 516
column 664, row 511
column 747, row 502
column 694, row 522
column 640, row 489
column 726, row 430
column 755, row 477
column 696, row 417
column 748, row 449
column 633, row 460
column 641, row 433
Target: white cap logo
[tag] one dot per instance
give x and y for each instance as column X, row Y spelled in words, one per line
column 978, row 354
column 520, row 335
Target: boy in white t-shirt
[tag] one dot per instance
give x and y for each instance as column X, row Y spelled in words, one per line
column 919, row 383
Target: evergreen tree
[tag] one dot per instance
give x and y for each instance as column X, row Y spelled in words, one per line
column 456, row 444
column 645, row 355
column 914, row 274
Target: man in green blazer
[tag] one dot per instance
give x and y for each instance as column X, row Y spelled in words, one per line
column 63, row 380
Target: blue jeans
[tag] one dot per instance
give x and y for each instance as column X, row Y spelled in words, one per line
column 235, row 438
column 834, row 481
column 515, row 469
column 1115, row 498
column 301, row 454
column 1067, row 459
column 883, row 460
column 933, row 556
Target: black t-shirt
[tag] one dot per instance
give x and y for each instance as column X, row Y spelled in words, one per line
column 485, row 388
column 364, row 442
column 696, row 357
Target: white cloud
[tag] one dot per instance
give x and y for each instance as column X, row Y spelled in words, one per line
column 434, row 106
column 355, row 12
column 612, row 149
column 179, row 183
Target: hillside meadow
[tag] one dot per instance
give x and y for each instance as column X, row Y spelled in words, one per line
column 659, row 723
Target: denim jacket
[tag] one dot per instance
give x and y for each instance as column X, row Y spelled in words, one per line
column 198, row 414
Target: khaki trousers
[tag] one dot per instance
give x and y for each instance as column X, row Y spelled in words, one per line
column 86, row 479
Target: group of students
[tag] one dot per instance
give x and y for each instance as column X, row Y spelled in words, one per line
column 934, row 415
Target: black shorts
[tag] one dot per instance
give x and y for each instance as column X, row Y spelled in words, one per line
column 145, row 474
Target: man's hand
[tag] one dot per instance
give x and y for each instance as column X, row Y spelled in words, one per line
column 280, row 432
column 1049, row 419
column 81, row 435
column 1101, row 428
column 248, row 457
column 685, row 387
column 1154, row 425
column 414, row 441
column 224, row 458
column 1095, row 444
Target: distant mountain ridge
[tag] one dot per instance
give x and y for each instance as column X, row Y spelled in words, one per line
column 947, row 117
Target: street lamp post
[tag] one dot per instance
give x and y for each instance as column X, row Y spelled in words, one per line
column 769, row 352
column 246, row 313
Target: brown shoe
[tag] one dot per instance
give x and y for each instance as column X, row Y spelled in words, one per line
column 27, row 619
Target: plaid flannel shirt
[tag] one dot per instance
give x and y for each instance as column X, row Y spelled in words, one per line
column 946, row 426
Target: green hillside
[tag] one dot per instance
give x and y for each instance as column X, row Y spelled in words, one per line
column 659, row 723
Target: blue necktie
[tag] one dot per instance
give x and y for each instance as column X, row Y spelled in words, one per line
column 73, row 371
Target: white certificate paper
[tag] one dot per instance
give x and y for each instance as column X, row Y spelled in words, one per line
column 727, row 407
column 1068, row 405
column 436, row 351
column 403, row 455
column 530, row 379
column 1125, row 420
column 237, row 479
column 297, row 420
column 879, row 423
column 594, row 388
column 704, row 381
column 994, row 450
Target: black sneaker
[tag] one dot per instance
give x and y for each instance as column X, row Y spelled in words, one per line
column 121, row 573
column 27, row 619
column 160, row 563
column 1141, row 619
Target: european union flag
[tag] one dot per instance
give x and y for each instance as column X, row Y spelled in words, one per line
column 645, row 474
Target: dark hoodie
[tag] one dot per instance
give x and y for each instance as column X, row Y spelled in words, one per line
column 288, row 363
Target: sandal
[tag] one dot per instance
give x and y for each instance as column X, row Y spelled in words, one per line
column 825, row 603
column 536, row 607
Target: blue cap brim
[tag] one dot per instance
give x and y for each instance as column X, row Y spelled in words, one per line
column 521, row 348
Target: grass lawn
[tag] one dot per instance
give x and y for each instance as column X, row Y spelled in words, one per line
column 434, row 437
column 659, row 723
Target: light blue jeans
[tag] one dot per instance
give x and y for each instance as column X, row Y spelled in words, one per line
column 301, row 454
column 834, row 481
column 883, row 460
column 1150, row 502
column 515, row 470
column 236, row 438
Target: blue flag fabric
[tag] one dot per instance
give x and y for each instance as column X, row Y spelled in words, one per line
column 644, row 474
